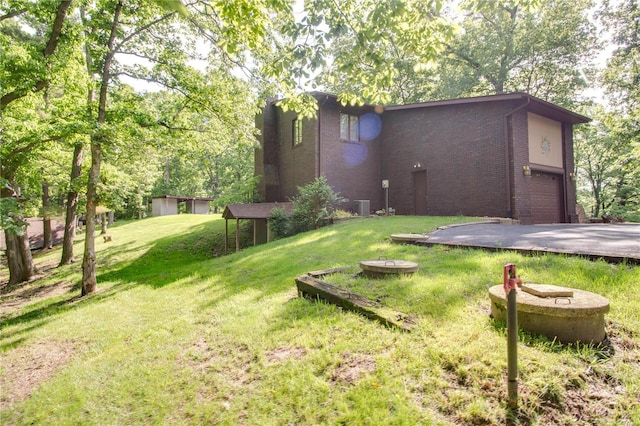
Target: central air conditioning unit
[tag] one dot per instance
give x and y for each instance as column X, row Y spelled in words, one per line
column 361, row 207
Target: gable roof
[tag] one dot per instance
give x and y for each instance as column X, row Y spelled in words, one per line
column 253, row 211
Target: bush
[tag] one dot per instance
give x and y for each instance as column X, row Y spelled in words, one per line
column 314, row 203
column 279, row 222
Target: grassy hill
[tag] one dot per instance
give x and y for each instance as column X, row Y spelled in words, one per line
column 179, row 335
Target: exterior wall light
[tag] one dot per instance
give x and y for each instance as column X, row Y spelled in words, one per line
column 526, row 170
column 572, row 176
column 417, row 165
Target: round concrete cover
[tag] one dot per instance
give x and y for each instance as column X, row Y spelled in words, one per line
column 389, row 266
column 582, row 304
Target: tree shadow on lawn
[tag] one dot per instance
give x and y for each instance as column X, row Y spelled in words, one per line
column 40, row 313
column 167, row 259
column 164, row 262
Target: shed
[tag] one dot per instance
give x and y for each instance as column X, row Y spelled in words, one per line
column 168, row 205
column 259, row 213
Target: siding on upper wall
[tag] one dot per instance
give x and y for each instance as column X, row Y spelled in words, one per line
column 462, row 148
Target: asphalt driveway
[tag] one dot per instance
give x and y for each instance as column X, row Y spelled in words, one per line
column 613, row 242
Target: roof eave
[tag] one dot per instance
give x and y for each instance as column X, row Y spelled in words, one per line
column 565, row 114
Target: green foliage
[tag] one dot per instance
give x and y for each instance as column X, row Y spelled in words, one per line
column 607, row 167
column 313, row 204
column 373, row 45
column 10, row 216
column 621, row 79
column 530, row 47
column 280, row 223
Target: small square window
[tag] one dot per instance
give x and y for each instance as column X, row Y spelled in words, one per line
column 349, row 128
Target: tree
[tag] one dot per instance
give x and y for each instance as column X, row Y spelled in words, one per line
column 361, row 48
column 72, row 200
column 208, row 153
column 118, row 27
column 312, row 205
column 29, row 65
column 114, row 26
column 608, row 154
column 531, row 47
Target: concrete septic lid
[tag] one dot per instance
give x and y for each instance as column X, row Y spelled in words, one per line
column 552, row 302
column 388, row 266
column 408, row 238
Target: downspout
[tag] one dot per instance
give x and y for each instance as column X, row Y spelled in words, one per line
column 507, row 146
column 318, row 155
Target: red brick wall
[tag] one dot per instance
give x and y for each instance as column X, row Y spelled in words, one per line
column 462, row 149
column 266, row 159
column 471, row 169
column 297, row 163
column 352, row 169
column 569, row 166
column 521, row 184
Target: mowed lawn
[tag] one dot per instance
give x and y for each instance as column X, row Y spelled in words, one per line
column 179, row 333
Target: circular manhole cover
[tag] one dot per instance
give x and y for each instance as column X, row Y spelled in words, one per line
column 378, row 268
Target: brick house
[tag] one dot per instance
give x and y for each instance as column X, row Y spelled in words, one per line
column 507, row 155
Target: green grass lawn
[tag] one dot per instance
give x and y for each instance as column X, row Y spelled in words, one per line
column 178, row 335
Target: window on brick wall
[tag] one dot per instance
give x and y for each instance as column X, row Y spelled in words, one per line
column 349, row 128
column 297, row 132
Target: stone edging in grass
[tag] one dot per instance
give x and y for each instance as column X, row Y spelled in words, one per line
column 311, row 287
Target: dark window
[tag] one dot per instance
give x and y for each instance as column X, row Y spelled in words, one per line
column 349, row 128
column 297, row 132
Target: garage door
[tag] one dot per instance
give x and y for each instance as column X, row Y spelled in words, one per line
column 547, row 198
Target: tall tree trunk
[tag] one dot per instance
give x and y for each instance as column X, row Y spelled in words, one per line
column 19, row 260
column 89, row 282
column 71, row 218
column 167, row 172
column 46, row 218
column 72, row 206
column 103, row 223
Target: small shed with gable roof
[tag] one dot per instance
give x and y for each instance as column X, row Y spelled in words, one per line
column 259, row 213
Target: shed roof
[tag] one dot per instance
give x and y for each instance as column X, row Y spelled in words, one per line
column 253, row 211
